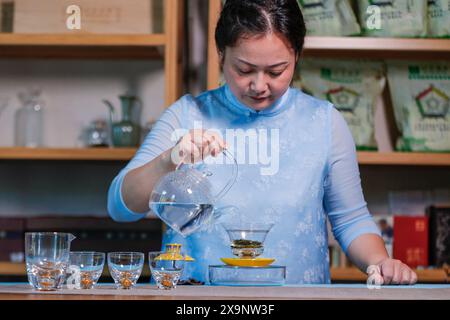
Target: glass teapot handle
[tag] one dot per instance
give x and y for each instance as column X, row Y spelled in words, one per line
column 230, row 182
column 234, row 174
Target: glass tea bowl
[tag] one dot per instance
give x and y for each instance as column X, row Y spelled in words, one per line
column 89, row 265
column 167, row 266
column 166, row 273
column 125, row 268
column 247, row 239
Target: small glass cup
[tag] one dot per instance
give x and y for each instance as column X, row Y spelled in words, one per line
column 166, row 273
column 90, row 265
column 125, row 268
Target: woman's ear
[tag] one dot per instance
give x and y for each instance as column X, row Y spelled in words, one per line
column 221, row 60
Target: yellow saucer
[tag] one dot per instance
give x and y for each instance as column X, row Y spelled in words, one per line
column 242, row 262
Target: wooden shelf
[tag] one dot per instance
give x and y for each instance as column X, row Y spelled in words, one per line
column 92, row 154
column 337, row 274
column 377, row 48
column 404, row 158
column 78, row 46
column 125, row 154
column 12, row 269
column 353, row 274
column 113, row 40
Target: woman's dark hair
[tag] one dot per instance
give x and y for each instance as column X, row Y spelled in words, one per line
column 247, row 18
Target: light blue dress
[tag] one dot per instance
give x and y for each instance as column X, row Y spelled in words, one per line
column 303, row 169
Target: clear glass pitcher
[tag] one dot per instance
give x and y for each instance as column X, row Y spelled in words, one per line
column 47, row 257
column 183, row 198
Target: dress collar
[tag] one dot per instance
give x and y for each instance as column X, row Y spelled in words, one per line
column 236, row 106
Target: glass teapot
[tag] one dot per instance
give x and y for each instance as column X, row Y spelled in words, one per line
column 183, row 198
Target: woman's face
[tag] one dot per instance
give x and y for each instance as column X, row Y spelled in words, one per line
column 259, row 69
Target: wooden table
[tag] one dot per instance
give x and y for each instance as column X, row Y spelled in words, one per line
column 22, row 291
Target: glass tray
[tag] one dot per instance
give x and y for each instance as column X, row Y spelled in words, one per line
column 223, row 275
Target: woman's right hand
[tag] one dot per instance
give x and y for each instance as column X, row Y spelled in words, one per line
column 197, row 145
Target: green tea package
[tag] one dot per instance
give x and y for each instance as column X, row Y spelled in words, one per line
column 393, row 18
column 439, row 18
column 329, row 18
column 354, row 87
column 420, row 94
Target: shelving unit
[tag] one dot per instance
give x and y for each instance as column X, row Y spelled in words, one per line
column 357, row 48
column 166, row 46
column 341, row 47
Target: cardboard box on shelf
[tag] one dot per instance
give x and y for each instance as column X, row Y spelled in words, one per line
column 96, row 16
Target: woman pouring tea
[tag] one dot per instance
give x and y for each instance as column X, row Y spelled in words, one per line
column 297, row 164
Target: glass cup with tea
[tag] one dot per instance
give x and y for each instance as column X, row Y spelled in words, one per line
column 167, row 266
column 89, row 266
column 125, row 268
column 166, row 273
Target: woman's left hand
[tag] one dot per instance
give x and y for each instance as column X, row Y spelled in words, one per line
column 396, row 272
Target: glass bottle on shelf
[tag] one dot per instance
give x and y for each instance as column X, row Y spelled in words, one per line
column 29, row 120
